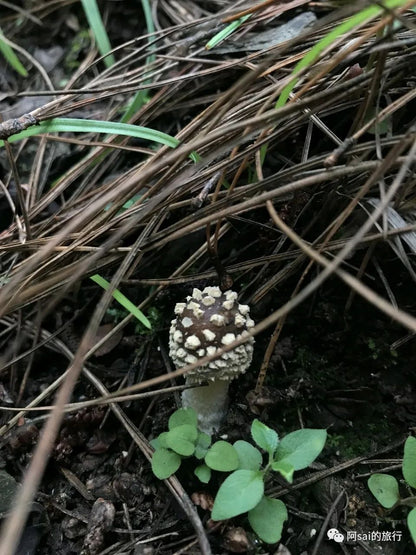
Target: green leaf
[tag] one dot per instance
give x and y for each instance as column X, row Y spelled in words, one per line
column 285, row 468
column 267, row 519
column 382, row 127
column 202, row 444
column 239, row 493
column 142, row 96
column 159, row 441
column 162, row 439
column 11, row 57
column 74, row 125
column 409, row 461
column 129, row 203
column 165, row 463
column 385, row 489
column 411, row 523
column 123, row 300
column 150, row 26
column 313, row 54
column 182, row 439
column 301, row 447
column 265, row 437
column 224, row 33
column 97, row 27
column 222, row 456
column 249, row 457
column 183, row 416
column 203, row 473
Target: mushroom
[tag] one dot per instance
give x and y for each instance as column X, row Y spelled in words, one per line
column 206, row 322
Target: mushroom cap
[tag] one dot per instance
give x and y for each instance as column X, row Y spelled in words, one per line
column 206, row 322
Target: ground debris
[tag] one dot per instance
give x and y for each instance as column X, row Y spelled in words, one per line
column 101, row 521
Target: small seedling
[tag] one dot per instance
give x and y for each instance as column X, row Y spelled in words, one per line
column 182, row 440
column 385, row 487
column 10, row 56
column 123, row 300
column 97, row 26
column 243, row 490
column 227, row 31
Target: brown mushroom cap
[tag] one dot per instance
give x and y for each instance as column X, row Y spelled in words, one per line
column 206, row 322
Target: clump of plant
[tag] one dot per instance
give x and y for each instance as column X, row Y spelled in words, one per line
column 385, row 487
column 243, row 490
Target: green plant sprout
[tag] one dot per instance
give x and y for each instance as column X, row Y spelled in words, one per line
column 97, row 27
column 153, row 315
column 10, row 56
column 75, row 125
column 78, row 44
column 385, row 487
column 243, row 490
column 354, row 22
column 142, row 96
column 123, row 300
column 226, row 32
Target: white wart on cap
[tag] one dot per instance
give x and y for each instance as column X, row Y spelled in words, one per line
column 208, row 321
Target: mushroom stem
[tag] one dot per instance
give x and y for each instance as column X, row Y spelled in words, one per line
column 210, row 402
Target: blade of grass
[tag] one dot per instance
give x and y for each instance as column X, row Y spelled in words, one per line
column 310, row 57
column 123, row 300
column 74, row 125
column 96, row 24
column 354, row 21
column 141, row 97
column 11, row 57
column 219, row 37
column 147, row 10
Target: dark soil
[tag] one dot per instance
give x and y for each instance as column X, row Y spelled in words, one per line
column 339, row 364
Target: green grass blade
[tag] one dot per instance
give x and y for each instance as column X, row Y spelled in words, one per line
column 96, row 24
column 123, row 300
column 11, row 57
column 310, row 57
column 354, row 21
column 141, row 97
column 219, row 37
column 73, row 125
column 147, row 10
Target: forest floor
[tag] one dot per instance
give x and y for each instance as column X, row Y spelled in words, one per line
column 108, row 205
